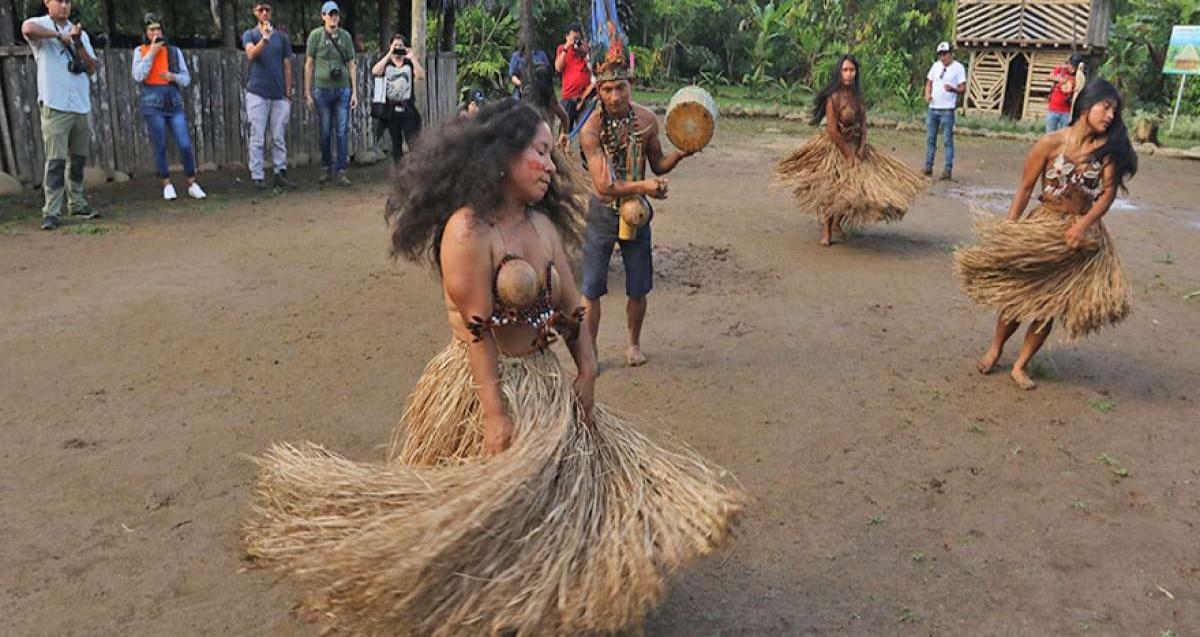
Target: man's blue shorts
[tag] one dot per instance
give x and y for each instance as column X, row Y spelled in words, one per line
column 598, row 241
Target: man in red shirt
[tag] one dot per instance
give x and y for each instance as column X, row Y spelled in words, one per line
column 571, row 61
column 1062, row 94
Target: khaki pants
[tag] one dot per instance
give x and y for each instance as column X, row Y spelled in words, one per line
column 66, row 137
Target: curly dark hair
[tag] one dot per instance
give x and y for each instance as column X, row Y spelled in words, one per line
column 460, row 164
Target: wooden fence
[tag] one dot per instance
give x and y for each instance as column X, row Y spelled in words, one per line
column 215, row 104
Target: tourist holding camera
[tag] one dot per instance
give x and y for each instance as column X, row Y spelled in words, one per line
column 399, row 68
column 331, row 86
column 65, row 58
column 571, row 62
column 162, row 71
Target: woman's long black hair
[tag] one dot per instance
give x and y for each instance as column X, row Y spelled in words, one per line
column 462, row 163
column 1116, row 148
column 835, row 82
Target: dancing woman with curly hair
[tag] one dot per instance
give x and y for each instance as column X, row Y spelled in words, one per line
column 510, row 503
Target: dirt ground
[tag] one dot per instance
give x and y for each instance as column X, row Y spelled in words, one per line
column 897, row 492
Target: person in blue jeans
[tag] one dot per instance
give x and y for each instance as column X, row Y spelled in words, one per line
column 330, row 67
column 161, row 70
column 945, row 81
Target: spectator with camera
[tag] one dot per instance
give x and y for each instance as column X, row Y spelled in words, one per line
column 331, row 86
column 399, row 69
column 268, row 95
column 571, row 62
column 162, row 71
column 65, row 58
column 516, row 68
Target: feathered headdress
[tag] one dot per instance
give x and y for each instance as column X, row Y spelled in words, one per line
column 609, row 46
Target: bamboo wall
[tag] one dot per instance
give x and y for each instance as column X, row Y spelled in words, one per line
column 215, row 105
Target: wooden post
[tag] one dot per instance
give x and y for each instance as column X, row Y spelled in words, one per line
column 8, row 30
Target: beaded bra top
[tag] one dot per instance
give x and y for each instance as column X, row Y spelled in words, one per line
column 540, row 315
column 850, row 120
column 1064, row 175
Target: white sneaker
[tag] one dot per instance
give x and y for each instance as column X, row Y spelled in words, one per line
column 169, row 192
column 196, row 191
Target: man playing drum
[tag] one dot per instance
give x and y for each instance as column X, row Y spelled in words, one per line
column 619, row 140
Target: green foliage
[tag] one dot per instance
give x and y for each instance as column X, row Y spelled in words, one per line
column 1137, row 49
column 484, row 41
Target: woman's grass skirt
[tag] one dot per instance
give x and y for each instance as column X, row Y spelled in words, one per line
column 1025, row 271
column 573, row 529
column 877, row 188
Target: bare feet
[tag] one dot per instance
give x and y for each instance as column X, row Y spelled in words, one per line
column 826, row 240
column 988, row 362
column 634, row 357
column 1022, row 379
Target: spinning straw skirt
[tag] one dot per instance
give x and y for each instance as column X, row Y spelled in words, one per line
column 826, row 184
column 573, row 529
column 1026, row 272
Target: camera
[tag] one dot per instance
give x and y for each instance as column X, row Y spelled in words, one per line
column 579, row 44
column 74, row 64
column 399, row 50
column 335, row 74
column 158, row 39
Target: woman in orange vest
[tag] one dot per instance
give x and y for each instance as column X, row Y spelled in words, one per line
column 161, row 71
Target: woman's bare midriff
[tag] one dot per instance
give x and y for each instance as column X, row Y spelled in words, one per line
column 1071, row 202
column 514, row 340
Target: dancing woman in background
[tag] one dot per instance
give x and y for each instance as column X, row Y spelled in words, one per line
column 837, row 175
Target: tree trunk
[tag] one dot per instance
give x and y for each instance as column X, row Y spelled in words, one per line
column 449, row 16
column 110, row 18
column 418, row 29
column 384, row 9
column 229, row 37
column 8, row 28
column 527, row 43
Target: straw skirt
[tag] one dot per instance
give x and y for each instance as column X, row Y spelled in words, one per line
column 1025, row 271
column 878, row 188
column 573, row 529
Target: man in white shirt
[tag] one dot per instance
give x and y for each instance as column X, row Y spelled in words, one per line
column 65, row 61
column 946, row 80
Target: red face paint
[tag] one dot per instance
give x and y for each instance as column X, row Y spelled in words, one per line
column 534, row 164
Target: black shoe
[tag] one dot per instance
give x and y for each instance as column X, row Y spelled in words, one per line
column 927, row 171
column 946, row 175
column 282, row 181
column 49, row 223
column 86, row 212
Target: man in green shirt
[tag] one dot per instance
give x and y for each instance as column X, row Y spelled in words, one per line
column 331, row 85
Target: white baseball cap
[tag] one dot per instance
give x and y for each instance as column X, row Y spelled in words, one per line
column 943, row 47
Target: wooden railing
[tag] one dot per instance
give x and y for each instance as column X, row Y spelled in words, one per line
column 215, row 105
